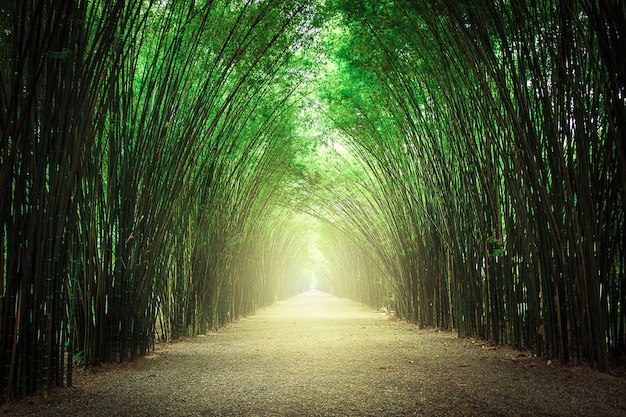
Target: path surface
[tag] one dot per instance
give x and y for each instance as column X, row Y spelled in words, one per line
column 318, row 355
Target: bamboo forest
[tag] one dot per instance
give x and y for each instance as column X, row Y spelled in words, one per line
column 170, row 166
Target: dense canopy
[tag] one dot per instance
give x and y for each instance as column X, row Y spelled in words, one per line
column 169, row 166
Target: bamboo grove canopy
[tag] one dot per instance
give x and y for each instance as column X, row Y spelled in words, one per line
column 168, row 166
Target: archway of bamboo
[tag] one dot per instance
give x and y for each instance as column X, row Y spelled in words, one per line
column 170, row 166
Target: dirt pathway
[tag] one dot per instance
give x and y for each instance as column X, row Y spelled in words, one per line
column 317, row 355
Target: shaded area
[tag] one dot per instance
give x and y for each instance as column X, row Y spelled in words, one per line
column 319, row 355
column 167, row 167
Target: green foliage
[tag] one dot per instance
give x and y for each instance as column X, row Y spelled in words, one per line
column 163, row 140
column 170, row 166
column 476, row 122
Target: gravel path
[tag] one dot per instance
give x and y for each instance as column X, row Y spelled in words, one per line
column 318, row 355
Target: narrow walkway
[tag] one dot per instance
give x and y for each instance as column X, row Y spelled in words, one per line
column 318, row 355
